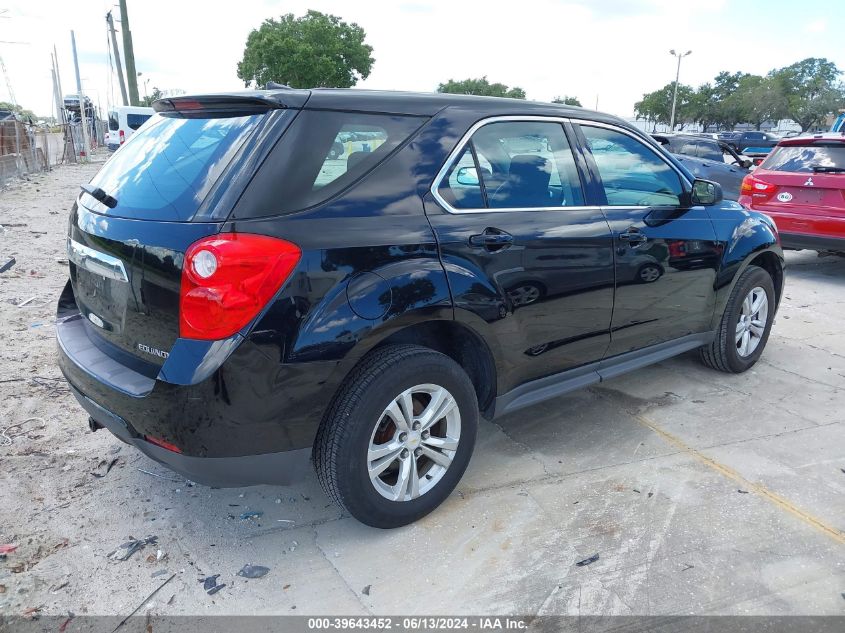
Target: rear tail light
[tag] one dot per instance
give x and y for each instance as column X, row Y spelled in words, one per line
column 227, row 279
column 122, row 137
column 756, row 188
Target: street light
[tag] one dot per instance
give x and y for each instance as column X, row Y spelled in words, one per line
column 677, row 77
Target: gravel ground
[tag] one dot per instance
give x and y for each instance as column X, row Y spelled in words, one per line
column 703, row 493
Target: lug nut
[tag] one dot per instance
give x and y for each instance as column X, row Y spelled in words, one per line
column 417, row 452
column 405, row 453
column 417, row 426
column 426, row 435
column 403, row 436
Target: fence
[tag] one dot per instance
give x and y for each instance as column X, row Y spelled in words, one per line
column 27, row 150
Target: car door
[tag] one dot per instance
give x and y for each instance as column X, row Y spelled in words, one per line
column 521, row 248
column 666, row 250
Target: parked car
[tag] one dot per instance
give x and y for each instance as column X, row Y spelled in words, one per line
column 707, row 158
column 123, row 122
column 740, row 141
column 236, row 310
column 802, row 186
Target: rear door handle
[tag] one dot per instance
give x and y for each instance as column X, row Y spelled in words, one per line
column 633, row 237
column 491, row 239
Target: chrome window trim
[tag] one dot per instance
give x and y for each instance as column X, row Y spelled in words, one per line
column 621, row 130
column 455, row 154
column 95, row 261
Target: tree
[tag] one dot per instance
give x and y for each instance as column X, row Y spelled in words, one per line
column 481, row 87
column 23, row 114
column 158, row 93
column 314, row 51
column 760, row 99
column 567, row 100
column 811, row 90
column 657, row 106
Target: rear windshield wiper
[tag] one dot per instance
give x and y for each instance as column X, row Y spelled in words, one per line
column 821, row 169
column 99, row 194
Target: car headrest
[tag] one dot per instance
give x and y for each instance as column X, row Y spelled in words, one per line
column 354, row 158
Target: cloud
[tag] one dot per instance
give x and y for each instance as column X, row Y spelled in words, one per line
column 816, row 26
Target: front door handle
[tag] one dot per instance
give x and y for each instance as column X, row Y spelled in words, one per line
column 492, row 239
column 633, row 237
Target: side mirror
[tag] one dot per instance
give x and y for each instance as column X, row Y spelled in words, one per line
column 706, row 192
column 467, row 176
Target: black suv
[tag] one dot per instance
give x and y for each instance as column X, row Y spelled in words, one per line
column 244, row 299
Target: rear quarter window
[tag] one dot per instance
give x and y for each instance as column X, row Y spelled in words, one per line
column 320, row 155
column 806, row 158
column 134, row 121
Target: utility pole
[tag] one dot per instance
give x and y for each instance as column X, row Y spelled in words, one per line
column 83, row 115
column 129, row 53
column 110, row 22
column 677, row 78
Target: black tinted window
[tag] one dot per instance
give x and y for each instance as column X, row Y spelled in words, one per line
column 806, row 158
column 632, row 173
column 134, row 121
column 710, row 151
column 321, row 154
column 165, row 170
column 521, row 165
column 113, row 122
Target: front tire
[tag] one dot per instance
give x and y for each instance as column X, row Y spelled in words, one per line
column 398, row 435
column 745, row 325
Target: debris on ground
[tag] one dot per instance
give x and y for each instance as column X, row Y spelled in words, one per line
column 8, row 549
column 251, row 514
column 143, row 602
column 158, row 573
column 253, row 571
column 210, row 585
column 127, row 549
column 742, row 492
column 148, row 472
column 108, row 464
column 11, row 262
column 687, row 566
column 587, row 561
column 23, row 303
column 7, row 435
column 366, row 590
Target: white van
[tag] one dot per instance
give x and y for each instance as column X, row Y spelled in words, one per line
column 123, row 121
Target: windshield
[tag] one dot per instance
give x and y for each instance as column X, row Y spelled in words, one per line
column 806, row 158
column 166, row 169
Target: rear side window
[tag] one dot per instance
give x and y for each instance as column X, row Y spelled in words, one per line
column 165, row 171
column 807, row 158
column 134, row 121
column 320, row 155
column 114, row 124
column 514, row 165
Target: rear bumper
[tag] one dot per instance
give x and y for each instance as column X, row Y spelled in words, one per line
column 250, row 421
column 221, row 472
column 813, row 228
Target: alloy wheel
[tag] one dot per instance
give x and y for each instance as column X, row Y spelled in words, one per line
column 752, row 321
column 413, row 442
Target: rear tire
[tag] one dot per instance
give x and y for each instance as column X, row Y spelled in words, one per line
column 745, row 325
column 369, row 427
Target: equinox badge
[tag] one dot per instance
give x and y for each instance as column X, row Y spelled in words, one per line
column 152, row 350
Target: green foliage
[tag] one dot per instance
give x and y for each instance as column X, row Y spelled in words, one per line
column 481, row 87
column 811, row 90
column 806, row 92
column 657, row 106
column 567, row 100
column 313, row 51
column 23, row 114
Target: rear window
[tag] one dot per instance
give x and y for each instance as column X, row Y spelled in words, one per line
column 165, row 171
column 113, row 122
column 806, row 158
column 134, row 121
column 320, row 155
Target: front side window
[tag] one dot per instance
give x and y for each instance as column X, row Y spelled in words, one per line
column 632, row 174
column 514, row 165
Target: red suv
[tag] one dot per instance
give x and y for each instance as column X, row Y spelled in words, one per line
column 801, row 185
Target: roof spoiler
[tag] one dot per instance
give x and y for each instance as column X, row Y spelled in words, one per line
column 253, row 101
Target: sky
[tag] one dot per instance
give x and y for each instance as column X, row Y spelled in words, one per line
column 605, row 52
